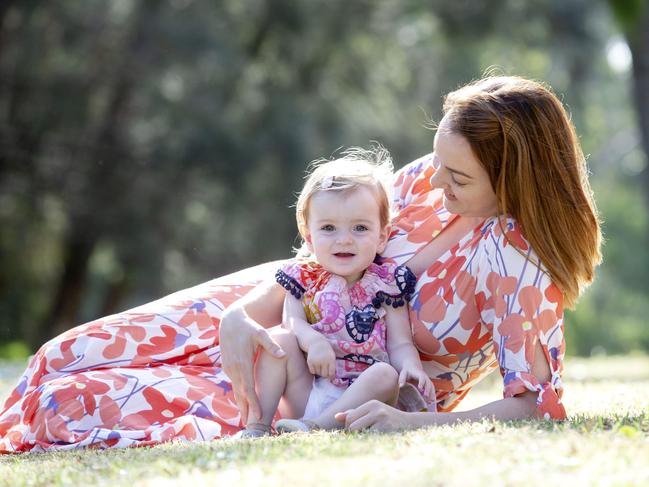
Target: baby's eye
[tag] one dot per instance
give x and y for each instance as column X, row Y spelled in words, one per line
column 361, row 228
column 327, row 228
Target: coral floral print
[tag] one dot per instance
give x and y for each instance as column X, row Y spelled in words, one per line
column 484, row 304
column 153, row 373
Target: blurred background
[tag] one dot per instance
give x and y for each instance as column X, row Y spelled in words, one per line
column 150, row 145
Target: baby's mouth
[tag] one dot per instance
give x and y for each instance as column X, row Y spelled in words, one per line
column 344, row 254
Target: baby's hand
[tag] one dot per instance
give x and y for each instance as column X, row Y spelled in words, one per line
column 321, row 359
column 423, row 381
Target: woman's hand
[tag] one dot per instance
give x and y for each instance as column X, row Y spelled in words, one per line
column 239, row 337
column 321, row 359
column 376, row 416
column 417, row 375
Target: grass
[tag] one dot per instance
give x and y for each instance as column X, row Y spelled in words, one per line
column 605, row 442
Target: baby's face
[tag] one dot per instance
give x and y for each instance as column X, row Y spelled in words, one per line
column 344, row 231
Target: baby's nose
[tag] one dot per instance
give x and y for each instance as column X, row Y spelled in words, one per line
column 344, row 237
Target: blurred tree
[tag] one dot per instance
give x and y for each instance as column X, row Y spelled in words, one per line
column 633, row 18
column 94, row 210
column 146, row 145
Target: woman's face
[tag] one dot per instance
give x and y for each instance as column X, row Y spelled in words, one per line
column 466, row 185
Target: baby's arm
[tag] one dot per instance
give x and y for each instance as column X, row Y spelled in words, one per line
column 321, row 358
column 403, row 354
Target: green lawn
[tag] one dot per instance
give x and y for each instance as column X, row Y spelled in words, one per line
column 605, row 442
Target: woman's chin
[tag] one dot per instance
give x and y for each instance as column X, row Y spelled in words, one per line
column 450, row 206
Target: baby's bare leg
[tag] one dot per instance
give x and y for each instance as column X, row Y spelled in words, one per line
column 287, row 378
column 380, row 382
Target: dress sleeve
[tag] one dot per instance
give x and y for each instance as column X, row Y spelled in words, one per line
column 295, row 276
column 521, row 307
column 390, row 284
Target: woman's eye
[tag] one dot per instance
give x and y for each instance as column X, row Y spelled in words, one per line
column 455, row 182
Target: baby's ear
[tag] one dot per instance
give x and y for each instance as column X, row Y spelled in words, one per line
column 383, row 238
column 307, row 241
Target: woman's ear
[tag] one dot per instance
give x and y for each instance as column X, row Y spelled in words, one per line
column 383, row 238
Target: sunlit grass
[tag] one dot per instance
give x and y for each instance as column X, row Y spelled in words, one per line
column 605, row 442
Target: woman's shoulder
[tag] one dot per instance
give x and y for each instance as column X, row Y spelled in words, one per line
column 504, row 234
column 505, row 252
column 411, row 179
column 412, row 169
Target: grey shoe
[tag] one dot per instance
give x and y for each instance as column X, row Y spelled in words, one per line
column 256, row 430
column 410, row 399
column 295, row 426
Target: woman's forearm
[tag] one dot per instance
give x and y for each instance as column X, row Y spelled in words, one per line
column 241, row 331
column 263, row 304
column 378, row 416
column 510, row 408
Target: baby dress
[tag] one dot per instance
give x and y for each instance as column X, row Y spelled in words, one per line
column 351, row 319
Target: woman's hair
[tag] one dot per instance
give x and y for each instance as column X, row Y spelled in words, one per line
column 523, row 137
column 356, row 167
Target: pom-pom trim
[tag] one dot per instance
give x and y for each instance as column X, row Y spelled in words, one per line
column 290, row 284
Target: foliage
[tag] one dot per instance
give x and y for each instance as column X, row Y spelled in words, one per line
column 149, row 145
column 628, row 13
column 15, row 350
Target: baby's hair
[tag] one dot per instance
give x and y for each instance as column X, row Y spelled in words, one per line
column 356, row 167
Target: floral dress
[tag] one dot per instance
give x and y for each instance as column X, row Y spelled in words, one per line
column 153, row 373
column 486, row 303
column 351, row 319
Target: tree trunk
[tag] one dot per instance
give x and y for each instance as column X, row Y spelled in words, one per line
column 639, row 45
column 86, row 226
column 5, row 5
column 115, row 295
column 69, row 293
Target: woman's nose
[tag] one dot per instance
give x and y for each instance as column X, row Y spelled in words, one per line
column 437, row 180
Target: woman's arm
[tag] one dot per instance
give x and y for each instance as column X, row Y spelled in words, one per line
column 241, row 331
column 378, row 416
column 437, row 247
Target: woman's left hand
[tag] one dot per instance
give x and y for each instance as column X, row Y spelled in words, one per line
column 376, row 416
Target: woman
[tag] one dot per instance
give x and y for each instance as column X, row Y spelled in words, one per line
column 498, row 223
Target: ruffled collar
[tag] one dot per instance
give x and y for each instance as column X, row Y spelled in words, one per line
column 375, row 278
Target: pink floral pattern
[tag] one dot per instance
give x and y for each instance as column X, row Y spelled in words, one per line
column 329, row 304
column 153, row 373
column 147, row 375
